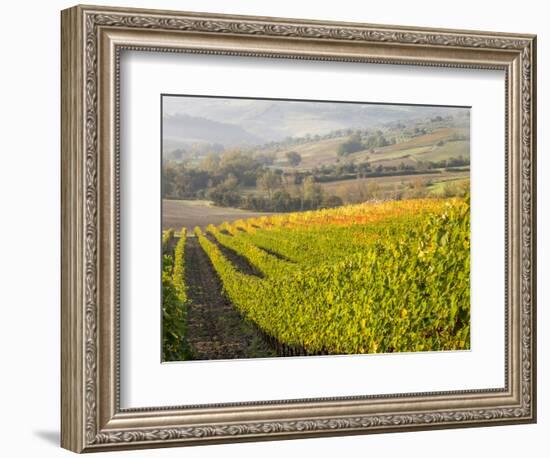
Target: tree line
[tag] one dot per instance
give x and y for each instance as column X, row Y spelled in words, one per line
column 237, row 179
column 242, row 180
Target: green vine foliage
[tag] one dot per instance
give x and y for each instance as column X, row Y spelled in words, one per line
column 398, row 285
column 174, row 304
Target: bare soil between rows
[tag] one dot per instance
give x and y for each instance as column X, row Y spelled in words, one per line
column 240, row 262
column 215, row 329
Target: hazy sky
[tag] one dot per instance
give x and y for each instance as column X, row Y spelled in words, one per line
column 215, row 107
column 257, row 120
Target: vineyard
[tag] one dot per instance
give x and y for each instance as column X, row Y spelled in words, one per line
column 367, row 278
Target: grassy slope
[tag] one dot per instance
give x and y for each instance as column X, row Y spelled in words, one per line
column 423, row 147
column 447, row 151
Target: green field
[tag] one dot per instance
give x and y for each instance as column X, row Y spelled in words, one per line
column 447, row 151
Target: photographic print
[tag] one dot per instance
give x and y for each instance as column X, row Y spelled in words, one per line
column 306, row 228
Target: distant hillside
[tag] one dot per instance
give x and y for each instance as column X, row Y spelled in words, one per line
column 255, row 121
column 441, row 144
column 181, row 130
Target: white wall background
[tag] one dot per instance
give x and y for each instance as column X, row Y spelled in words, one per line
column 29, row 241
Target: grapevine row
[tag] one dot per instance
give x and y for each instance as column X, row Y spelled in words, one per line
column 174, row 304
column 406, row 289
column 266, row 263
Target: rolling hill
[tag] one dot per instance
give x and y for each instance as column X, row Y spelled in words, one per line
column 443, row 143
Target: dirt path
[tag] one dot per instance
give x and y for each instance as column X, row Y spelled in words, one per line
column 215, row 330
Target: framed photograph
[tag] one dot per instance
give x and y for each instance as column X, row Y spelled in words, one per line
column 278, row 228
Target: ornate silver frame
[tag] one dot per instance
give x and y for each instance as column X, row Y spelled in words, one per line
column 92, row 39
